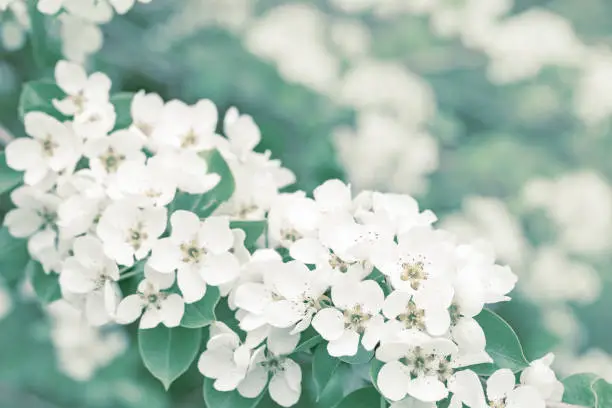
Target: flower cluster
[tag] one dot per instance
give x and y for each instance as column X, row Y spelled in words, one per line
column 106, row 202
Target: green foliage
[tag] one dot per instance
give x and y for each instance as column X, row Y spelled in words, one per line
column 9, row 178
column 14, row 256
column 324, row 367
column 38, row 96
column 122, row 103
column 168, row 352
column 252, row 229
column 202, row 312
column 587, row 390
column 503, row 345
column 309, row 338
column 46, row 285
column 218, row 399
column 362, row 356
column 363, row 398
column 204, row 204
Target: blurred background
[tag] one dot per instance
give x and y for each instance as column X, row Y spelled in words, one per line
column 496, row 114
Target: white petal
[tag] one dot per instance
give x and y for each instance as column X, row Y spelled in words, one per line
column 165, row 256
column 216, row 235
column 329, row 323
column 467, row 387
column 150, row 318
column 191, row 284
column 254, row 383
column 392, row 381
column 525, row 396
column 437, row 321
column 95, row 310
column 308, row 250
column 281, row 392
column 293, row 374
column 284, row 313
column 427, row 389
column 22, row 223
column 468, row 334
column 395, row 304
column 281, row 342
column 220, row 268
column 253, row 297
column 346, row 345
column 71, row 77
column 172, row 310
column 374, row 330
column 371, row 297
column 185, row 226
column 76, row 278
column 500, row 384
column 23, row 153
column 129, row 309
column 333, row 195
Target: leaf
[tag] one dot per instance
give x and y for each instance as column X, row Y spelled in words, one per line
column 14, row 256
column 252, row 229
column 202, row 312
column 323, row 368
column 9, row 178
column 222, row 191
column 38, row 96
column 123, row 109
column 362, row 398
column 168, row 352
column 503, row 345
column 578, row 390
column 603, row 392
column 46, row 285
column 363, row 356
column 232, row 399
column 375, row 368
column 309, row 338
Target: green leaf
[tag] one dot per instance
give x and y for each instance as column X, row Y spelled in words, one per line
column 14, row 256
column 232, row 399
column 503, row 345
column 123, row 108
column 46, row 285
column 252, row 229
column 323, row 367
column 202, row 312
column 603, row 391
column 363, row 356
column 362, row 398
column 578, row 390
column 309, row 338
column 222, row 191
column 38, row 96
column 168, row 352
column 9, row 178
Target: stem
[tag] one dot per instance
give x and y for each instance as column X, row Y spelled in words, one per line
column 135, row 272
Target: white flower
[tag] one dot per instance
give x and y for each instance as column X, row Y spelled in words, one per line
column 95, row 121
column 128, row 231
column 540, row 376
column 199, row 251
column 35, row 211
column 187, row 127
column 288, row 298
column 107, row 154
column 414, row 312
column 146, row 184
column 333, row 196
column 422, row 261
column 123, row 6
column 355, row 313
column 158, row 306
column 501, row 391
column 146, row 113
column 49, row 249
column 285, row 375
column 53, row 147
column 292, row 217
column 81, row 90
column 242, row 134
column 225, row 359
column 80, row 37
column 415, row 364
column 89, row 272
column 49, row 6
column 187, row 170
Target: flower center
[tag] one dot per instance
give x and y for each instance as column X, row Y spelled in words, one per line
column 111, row 160
column 189, row 139
column 498, row 403
column 413, row 317
column 274, row 364
column 414, row 273
column 355, row 319
column 136, row 236
column 49, row 146
column 418, row 362
column 290, row 235
column 192, row 253
column 337, row 263
column 455, row 314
